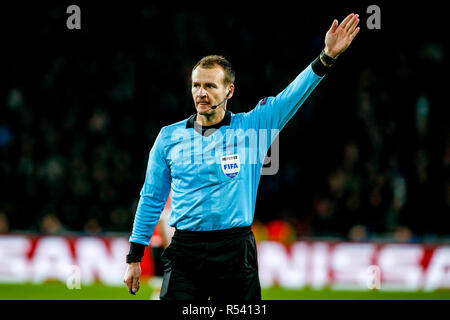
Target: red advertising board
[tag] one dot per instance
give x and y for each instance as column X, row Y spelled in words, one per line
column 312, row 264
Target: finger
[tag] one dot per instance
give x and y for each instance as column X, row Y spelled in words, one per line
column 346, row 20
column 352, row 24
column 354, row 33
column 135, row 286
column 334, row 26
column 128, row 283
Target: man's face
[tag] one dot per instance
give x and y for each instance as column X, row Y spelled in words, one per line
column 208, row 88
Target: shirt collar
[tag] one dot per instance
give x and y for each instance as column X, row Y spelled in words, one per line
column 191, row 123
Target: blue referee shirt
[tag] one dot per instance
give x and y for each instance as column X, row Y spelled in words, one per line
column 214, row 177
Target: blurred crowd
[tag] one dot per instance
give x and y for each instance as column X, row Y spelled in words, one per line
column 367, row 155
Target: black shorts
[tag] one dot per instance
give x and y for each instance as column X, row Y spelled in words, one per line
column 159, row 267
column 218, row 265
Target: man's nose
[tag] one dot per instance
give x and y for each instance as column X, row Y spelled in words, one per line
column 202, row 92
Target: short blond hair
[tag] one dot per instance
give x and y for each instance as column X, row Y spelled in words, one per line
column 212, row 61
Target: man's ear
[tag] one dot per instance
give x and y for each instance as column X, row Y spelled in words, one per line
column 230, row 91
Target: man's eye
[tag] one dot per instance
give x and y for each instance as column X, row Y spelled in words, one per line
column 195, row 85
column 210, row 86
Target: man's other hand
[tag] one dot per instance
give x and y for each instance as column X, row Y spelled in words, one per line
column 340, row 36
column 132, row 275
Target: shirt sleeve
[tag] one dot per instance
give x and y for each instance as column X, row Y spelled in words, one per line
column 153, row 195
column 275, row 112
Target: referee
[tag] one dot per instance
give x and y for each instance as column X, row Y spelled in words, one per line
column 208, row 162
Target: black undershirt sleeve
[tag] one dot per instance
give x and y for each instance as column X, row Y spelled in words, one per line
column 136, row 252
column 319, row 68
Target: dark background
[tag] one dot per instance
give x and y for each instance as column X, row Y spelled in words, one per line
column 367, row 155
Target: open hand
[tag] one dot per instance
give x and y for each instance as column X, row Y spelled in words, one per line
column 339, row 37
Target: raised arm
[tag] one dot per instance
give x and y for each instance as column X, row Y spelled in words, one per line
column 275, row 112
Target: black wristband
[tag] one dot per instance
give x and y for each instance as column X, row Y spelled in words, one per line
column 318, row 67
column 136, row 252
column 327, row 59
